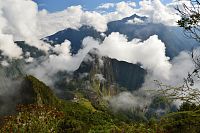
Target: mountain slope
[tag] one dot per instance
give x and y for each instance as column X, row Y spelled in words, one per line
column 74, row 36
column 27, row 90
column 173, row 37
column 47, row 113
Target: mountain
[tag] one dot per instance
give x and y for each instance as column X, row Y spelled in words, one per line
column 30, row 50
column 133, row 27
column 112, row 71
column 74, row 36
column 173, row 37
column 42, row 111
column 25, row 90
column 100, row 76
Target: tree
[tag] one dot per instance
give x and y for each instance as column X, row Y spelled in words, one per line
column 190, row 21
column 187, row 117
column 190, row 17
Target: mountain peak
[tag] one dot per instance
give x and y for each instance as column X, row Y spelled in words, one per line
column 124, row 74
column 135, row 16
column 92, row 55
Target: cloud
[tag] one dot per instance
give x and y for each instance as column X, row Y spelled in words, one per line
column 150, row 53
column 94, row 19
column 122, row 9
column 21, row 20
column 126, row 7
column 135, row 21
column 61, row 60
column 153, row 9
column 106, row 6
column 127, row 100
column 75, row 16
column 18, row 20
column 72, row 17
column 158, row 12
column 180, row 67
column 8, row 47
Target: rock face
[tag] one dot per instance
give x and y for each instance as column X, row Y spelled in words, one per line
column 111, row 71
column 99, row 77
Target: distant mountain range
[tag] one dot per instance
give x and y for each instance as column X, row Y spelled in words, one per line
column 133, row 27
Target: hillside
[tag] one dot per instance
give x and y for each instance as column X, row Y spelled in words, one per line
column 40, row 110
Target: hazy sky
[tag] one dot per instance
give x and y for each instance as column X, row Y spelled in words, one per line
column 58, row 5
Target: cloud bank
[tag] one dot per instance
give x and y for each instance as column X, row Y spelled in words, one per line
column 153, row 9
column 150, row 54
column 18, row 21
column 21, row 20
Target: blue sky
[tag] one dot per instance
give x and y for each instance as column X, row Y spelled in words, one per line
column 58, row 5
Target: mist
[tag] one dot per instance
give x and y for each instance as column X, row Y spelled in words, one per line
column 21, row 20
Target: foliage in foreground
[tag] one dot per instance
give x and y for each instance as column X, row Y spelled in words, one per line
column 186, row 119
column 50, row 114
column 33, row 118
column 72, row 118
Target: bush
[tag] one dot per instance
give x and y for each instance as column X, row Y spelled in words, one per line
column 33, row 118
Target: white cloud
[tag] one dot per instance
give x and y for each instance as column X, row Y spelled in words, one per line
column 154, row 9
column 150, row 53
column 21, row 18
column 50, row 23
column 8, row 47
column 127, row 101
column 72, row 17
column 122, row 9
column 62, row 60
column 94, row 19
column 75, row 16
column 4, row 63
column 106, row 6
column 135, row 21
column 18, row 20
column 158, row 12
column 126, row 7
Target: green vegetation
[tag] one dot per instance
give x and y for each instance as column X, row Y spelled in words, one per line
column 42, row 93
column 47, row 113
column 186, row 119
column 33, row 118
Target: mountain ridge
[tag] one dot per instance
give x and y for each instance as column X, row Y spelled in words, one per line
column 173, row 37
